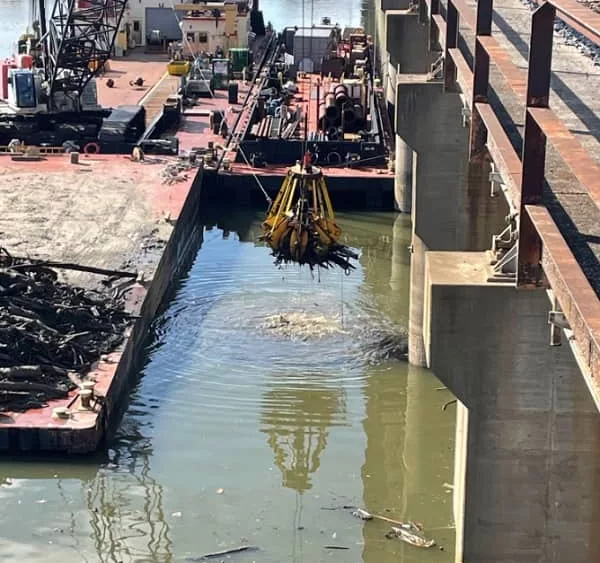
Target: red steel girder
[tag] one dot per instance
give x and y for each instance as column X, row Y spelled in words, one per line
column 481, row 76
column 571, row 288
column 450, row 43
column 534, row 141
column 577, row 16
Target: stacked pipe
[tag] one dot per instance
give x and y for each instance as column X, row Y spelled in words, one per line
column 339, row 109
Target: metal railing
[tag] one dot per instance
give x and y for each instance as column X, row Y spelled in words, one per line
column 541, row 246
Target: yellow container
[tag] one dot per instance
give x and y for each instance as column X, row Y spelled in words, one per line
column 178, row 68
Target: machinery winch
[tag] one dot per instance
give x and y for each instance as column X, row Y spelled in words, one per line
column 300, row 224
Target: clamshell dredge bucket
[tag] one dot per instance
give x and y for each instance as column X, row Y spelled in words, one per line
column 300, row 224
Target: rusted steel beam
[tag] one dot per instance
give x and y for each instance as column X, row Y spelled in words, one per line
column 467, row 13
column 515, row 77
column 437, row 32
column 534, row 141
column 450, row 43
column 502, row 151
column 463, row 72
column 576, row 158
column 483, row 17
column 571, row 288
column 572, row 23
column 481, row 76
column 540, row 56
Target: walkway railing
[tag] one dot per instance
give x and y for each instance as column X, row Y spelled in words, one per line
column 541, row 246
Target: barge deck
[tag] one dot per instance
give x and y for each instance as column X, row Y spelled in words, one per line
column 107, row 212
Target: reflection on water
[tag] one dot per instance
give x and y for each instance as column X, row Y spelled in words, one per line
column 126, row 511
column 283, row 428
column 296, row 421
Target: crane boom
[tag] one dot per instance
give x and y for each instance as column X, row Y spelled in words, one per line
column 78, row 40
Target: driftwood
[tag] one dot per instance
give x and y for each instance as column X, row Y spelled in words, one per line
column 365, row 515
column 216, row 554
column 50, row 332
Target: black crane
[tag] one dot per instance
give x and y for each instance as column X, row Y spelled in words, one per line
column 75, row 41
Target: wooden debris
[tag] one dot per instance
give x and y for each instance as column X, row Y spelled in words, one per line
column 222, row 553
column 409, row 537
column 365, row 515
column 50, row 332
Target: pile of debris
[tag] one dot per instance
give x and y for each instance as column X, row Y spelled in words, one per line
column 176, row 171
column 50, row 332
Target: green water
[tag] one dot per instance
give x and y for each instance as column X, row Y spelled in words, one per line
column 291, row 430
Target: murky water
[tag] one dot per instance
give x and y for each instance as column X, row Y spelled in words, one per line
column 291, row 429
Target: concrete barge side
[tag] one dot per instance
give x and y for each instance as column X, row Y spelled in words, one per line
column 112, row 213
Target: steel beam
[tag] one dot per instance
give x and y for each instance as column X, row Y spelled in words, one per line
column 578, row 300
column 435, row 32
column 481, row 77
column 534, row 142
column 580, row 17
column 450, row 43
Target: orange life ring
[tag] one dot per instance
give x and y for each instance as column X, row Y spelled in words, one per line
column 91, row 148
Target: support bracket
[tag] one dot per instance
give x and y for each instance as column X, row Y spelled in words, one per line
column 436, row 70
column 557, row 321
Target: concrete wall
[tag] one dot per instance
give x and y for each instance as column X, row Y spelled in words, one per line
column 531, row 469
column 450, row 204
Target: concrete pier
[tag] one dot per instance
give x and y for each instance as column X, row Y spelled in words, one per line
column 486, row 188
column 450, row 204
column 528, row 456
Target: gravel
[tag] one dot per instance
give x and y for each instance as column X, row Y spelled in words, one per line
column 572, row 37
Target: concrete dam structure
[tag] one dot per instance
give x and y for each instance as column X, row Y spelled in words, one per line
column 497, row 160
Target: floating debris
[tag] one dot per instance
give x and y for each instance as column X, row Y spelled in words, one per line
column 216, row 554
column 365, row 515
column 302, row 326
column 362, row 514
column 409, row 537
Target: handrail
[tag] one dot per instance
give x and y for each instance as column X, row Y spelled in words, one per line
column 541, row 246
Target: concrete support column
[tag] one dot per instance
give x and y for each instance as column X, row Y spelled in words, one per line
column 399, row 272
column 530, row 460
column 416, row 346
column 429, row 123
column 451, row 204
column 404, row 176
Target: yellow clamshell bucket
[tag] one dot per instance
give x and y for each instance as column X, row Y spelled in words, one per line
column 300, row 224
